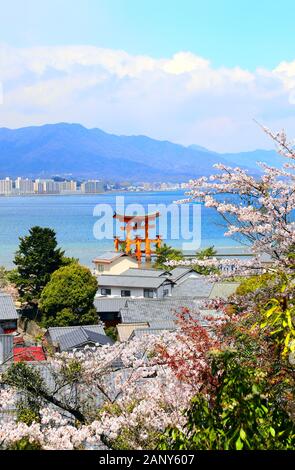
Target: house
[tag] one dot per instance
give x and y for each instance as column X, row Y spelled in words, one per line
column 68, row 338
column 134, row 286
column 143, row 314
column 13, row 349
column 8, row 314
column 128, row 331
column 153, row 310
column 113, row 263
column 145, row 272
column 108, row 309
column 6, row 348
column 181, row 273
column 125, row 331
column 199, row 286
column 140, row 332
column 223, row 290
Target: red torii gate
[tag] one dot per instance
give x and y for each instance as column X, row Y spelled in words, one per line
column 135, row 223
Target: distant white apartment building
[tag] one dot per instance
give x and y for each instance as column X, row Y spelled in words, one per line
column 67, row 186
column 92, row 187
column 24, row 186
column 38, row 186
column 46, row 186
column 6, row 186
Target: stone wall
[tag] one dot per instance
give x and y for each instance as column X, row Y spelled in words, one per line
column 30, row 327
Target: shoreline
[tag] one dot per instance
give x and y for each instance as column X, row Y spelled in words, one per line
column 116, row 191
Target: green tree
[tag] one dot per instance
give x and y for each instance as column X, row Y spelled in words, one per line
column 3, row 277
column 206, row 253
column 112, row 333
column 68, row 297
column 167, row 253
column 255, row 283
column 243, row 415
column 36, row 259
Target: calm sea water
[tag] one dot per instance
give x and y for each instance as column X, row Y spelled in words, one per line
column 73, row 220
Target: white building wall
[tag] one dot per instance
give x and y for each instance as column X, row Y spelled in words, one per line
column 116, row 291
column 118, row 266
column 136, row 291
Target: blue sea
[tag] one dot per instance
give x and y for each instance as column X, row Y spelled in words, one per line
column 72, row 217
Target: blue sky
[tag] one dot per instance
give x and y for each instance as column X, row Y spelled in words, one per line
column 237, row 65
column 248, row 33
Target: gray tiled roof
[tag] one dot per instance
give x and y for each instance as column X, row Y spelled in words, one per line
column 151, row 311
column 159, row 327
column 180, row 271
column 150, row 331
column 109, row 304
column 146, row 272
column 130, row 281
column 7, row 308
column 162, row 324
column 224, row 289
column 109, row 256
column 193, row 287
column 71, row 337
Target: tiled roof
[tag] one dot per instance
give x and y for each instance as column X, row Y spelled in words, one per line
column 109, row 256
column 177, row 273
column 131, row 281
column 193, row 287
column 162, row 314
column 162, row 325
column 150, row 331
column 71, row 337
column 7, row 308
column 108, row 304
column 146, row 272
column 223, row 289
column 157, row 310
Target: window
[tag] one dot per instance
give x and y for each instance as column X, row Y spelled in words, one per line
column 105, row 291
column 149, row 293
column 125, row 293
column 165, row 292
column 100, row 268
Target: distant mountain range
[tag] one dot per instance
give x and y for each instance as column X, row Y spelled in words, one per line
column 72, row 150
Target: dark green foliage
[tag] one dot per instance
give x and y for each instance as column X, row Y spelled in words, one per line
column 3, row 277
column 112, row 333
column 206, row 253
column 253, row 283
column 36, row 259
column 66, row 261
column 209, row 252
column 22, row 377
column 68, row 297
column 28, row 411
column 243, row 414
column 27, row 379
column 25, row 444
column 167, row 253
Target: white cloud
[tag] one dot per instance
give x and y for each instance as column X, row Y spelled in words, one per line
column 183, row 98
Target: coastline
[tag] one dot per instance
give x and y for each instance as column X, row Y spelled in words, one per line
column 110, row 192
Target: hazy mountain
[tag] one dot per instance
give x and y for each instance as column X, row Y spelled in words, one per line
column 202, row 149
column 71, row 149
column 249, row 159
